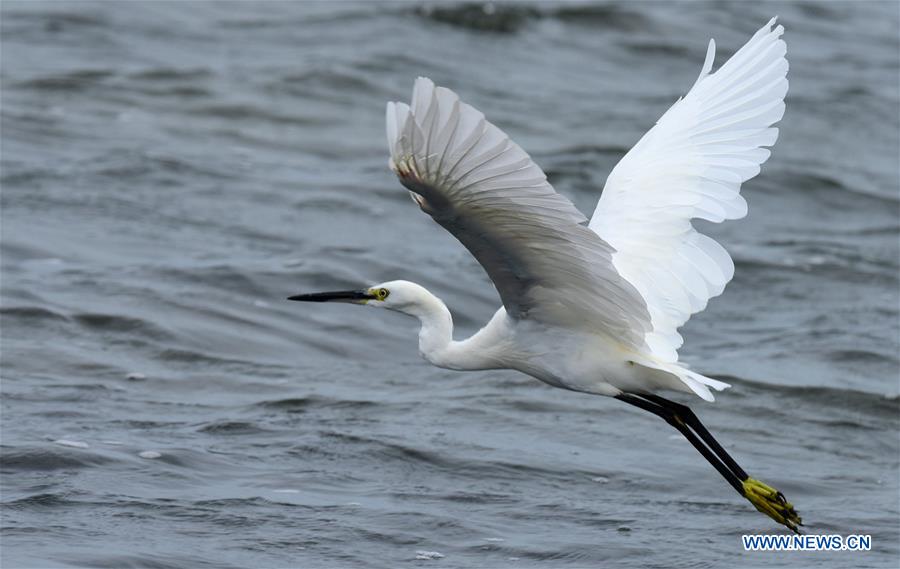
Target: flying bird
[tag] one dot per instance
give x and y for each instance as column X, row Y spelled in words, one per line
column 593, row 306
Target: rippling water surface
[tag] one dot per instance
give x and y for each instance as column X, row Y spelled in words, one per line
column 172, row 171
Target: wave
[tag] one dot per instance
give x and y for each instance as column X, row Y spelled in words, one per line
column 45, row 459
column 232, row 428
column 121, row 324
column 32, row 313
column 881, row 405
column 509, row 18
column 483, row 17
column 73, row 81
column 303, row 404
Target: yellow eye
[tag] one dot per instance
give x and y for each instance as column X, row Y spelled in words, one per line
column 382, row 293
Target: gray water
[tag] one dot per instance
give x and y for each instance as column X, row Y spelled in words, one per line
column 171, row 172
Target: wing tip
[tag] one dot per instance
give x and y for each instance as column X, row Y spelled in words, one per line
column 396, row 115
column 778, row 30
column 423, row 91
column 708, row 62
column 422, row 85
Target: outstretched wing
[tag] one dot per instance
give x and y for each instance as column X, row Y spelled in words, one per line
column 485, row 190
column 691, row 164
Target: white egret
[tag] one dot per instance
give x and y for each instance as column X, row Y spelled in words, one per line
column 593, row 307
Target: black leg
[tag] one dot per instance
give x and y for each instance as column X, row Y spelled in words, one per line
column 764, row 498
column 693, row 421
column 671, row 417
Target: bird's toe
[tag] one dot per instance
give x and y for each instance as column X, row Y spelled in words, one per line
column 771, row 502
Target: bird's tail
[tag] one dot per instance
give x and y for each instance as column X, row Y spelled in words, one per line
column 700, row 384
column 695, row 382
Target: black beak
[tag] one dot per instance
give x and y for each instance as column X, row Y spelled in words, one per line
column 353, row 296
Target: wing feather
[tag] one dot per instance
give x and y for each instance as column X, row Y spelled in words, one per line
column 691, row 164
column 483, row 188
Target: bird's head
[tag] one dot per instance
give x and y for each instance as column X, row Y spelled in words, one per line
column 402, row 296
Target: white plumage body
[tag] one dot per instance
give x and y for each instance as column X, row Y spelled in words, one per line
column 591, row 307
column 579, row 361
column 564, row 358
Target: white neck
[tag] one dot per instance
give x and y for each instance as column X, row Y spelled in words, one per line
column 436, row 338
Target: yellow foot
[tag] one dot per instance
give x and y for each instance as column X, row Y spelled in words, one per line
column 771, row 502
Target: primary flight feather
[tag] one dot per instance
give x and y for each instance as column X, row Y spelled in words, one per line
column 593, row 307
column 691, row 165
